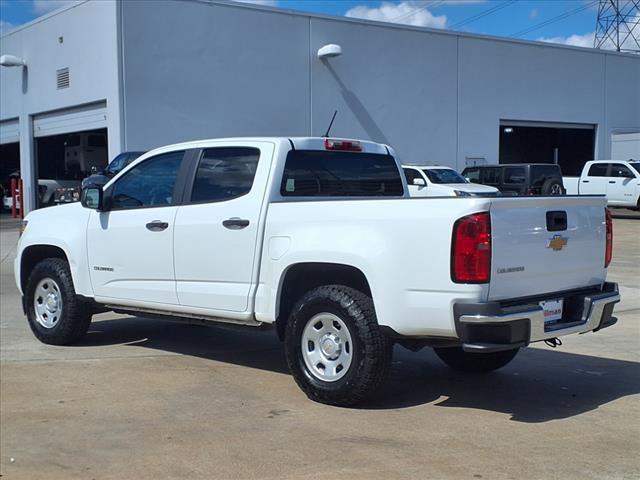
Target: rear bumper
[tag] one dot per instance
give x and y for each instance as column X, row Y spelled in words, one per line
column 492, row 326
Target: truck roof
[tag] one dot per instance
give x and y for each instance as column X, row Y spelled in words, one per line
column 299, row 143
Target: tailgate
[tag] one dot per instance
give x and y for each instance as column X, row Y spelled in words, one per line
column 532, row 257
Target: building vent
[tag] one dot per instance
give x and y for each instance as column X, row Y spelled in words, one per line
column 62, row 78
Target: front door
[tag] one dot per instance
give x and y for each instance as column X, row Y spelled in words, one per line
column 596, row 181
column 217, row 228
column 130, row 246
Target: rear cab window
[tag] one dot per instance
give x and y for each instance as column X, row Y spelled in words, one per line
column 318, row 173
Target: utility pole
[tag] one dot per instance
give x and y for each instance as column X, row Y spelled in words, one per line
column 618, row 25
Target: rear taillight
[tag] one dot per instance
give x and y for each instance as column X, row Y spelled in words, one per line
column 608, row 252
column 471, row 249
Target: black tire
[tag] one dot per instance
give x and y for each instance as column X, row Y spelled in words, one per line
column 75, row 316
column 371, row 349
column 553, row 187
column 469, row 362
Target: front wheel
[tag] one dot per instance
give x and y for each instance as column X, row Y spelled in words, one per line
column 470, row 362
column 55, row 314
column 334, row 347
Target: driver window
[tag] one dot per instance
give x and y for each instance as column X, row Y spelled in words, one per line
column 149, row 184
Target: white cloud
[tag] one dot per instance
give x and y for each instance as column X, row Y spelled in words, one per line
column 6, row 26
column 407, row 12
column 45, row 6
column 585, row 40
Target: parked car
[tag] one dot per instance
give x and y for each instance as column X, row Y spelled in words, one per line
column 115, row 166
column 619, row 180
column 317, row 238
column 438, row 181
column 72, row 194
column 519, row 178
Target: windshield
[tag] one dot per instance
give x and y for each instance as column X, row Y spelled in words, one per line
column 444, row 175
column 117, row 164
column 121, row 161
column 635, row 166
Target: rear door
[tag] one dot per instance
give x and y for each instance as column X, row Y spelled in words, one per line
column 546, row 244
column 622, row 185
column 596, row 181
column 218, row 226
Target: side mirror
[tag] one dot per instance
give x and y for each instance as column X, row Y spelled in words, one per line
column 419, row 182
column 94, row 170
column 92, row 197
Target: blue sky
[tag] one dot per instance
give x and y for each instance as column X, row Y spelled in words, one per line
column 494, row 17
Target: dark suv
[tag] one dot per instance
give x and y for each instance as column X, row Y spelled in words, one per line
column 519, row 178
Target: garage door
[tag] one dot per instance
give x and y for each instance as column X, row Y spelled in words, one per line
column 9, row 131
column 86, row 117
column 569, row 145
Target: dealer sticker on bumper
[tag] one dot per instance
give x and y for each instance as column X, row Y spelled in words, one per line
column 552, row 310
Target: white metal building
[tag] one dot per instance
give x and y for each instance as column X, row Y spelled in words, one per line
column 156, row 72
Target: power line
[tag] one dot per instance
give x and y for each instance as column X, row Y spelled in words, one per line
column 413, row 12
column 482, row 14
column 555, row 19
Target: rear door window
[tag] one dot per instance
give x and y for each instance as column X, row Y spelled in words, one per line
column 598, row 170
column 619, row 170
column 317, row 173
column 515, row 175
column 224, row 173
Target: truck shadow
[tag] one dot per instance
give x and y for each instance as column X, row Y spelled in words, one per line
column 538, row 386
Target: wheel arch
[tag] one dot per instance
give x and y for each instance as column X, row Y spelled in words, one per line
column 33, row 254
column 299, row 278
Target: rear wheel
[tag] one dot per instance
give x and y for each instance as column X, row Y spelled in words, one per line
column 334, row 347
column 458, row 359
column 55, row 314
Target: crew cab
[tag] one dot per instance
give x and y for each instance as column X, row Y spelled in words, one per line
column 618, row 180
column 438, row 181
column 316, row 237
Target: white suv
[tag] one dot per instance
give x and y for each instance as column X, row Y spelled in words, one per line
column 437, row 181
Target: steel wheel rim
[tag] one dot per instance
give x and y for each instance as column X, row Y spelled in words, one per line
column 556, row 190
column 47, row 303
column 327, row 348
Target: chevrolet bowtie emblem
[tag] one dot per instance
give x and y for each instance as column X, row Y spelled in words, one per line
column 557, row 242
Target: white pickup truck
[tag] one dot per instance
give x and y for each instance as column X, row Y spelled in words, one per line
column 619, row 180
column 318, row 238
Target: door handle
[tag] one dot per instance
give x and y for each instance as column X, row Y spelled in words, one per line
column 585, row 181
column 612, row 181
column 157, row 226
column 235, row 223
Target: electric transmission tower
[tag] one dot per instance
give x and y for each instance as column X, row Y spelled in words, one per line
column 617, row 27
